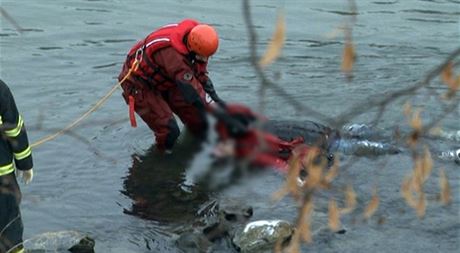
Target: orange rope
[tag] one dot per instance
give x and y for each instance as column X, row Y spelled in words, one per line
column 87, row 113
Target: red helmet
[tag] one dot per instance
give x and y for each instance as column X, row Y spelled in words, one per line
column 203, row 40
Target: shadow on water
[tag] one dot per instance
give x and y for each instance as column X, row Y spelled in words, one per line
column 155, row 184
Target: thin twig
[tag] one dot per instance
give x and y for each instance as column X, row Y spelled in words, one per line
column 384, row 99
column 11, row 20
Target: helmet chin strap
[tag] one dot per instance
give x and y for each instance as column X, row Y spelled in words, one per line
column 193, row 55
column 201, row 58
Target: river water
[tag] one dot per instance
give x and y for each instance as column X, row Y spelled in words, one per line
column 93, row 179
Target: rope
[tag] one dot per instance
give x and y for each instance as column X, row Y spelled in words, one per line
column 87, row 113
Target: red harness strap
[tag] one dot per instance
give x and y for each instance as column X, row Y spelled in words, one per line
column 132, row 117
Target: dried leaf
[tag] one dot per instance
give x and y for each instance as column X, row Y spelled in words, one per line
column 421, row 205
column 371, row 208
column 417, row 179
column 413, row 138
column 278, row 246
column 291, row 185
column 407, row 109
column 348, row 57
column 447, row 75
column 314, row 177
column 304, row 222
column 416, row 121
column 294, row 244
column 276, row 44
column 293, row 173
column 454, row 86
column 426, row 165
column 281, row 193
column 350, row 200
column 422, row 170
column 445, row 188
column 334, row 216
column 315, row 171
column 407, row 193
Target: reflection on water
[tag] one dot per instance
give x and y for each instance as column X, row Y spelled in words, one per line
column 155, row 184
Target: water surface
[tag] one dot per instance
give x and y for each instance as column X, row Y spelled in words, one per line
column 70, row 53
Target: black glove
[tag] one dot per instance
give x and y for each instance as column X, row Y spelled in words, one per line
column 188, row 92
column 191, row 96
column 209, row 88
column 234, row 126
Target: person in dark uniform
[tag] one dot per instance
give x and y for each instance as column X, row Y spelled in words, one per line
column 15, row 155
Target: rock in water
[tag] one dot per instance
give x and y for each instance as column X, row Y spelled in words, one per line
column 219, row 221
column 262, row 235
column 85, row 245
column 61, row 241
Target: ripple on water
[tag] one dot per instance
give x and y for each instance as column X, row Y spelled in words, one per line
column 50, row 48
column 432, row 20
column 93, row 23
column 93, row 42
column 105, row 66
column 31, row 30
column 433, row 12
column 341, row 13
column 13, row 32
column 8, row 34
column 385, row 2
column 118, row 40
column 317, row 43
column 92, row 10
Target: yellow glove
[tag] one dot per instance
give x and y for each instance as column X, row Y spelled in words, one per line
column 26, row 175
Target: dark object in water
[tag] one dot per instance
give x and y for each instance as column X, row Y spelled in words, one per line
column 85, row 245
column 313, row 134
column 450, row 155
column 356, row 139
column 220, row 221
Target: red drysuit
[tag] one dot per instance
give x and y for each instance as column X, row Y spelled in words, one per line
column 168, row 80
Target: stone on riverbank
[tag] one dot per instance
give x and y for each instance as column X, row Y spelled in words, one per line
column 261, row 236
column 64, row 241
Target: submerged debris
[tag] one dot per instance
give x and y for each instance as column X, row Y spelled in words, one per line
column 451, row 155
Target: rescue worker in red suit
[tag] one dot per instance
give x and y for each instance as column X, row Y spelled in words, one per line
column 172, row 78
